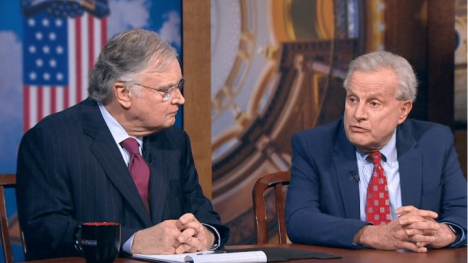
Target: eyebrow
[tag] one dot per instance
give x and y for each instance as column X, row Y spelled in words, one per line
column 171, row 85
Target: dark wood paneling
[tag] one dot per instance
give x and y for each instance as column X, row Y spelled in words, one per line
column 440, row 61
column 406, row 35
column 423, row 32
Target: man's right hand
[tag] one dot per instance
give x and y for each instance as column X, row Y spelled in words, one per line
column 158, row 239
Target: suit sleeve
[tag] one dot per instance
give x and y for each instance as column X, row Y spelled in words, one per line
column 312, row 215
column 454, row 190
column 44, row 198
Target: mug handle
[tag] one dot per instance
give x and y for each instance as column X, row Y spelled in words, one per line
column 77, row 236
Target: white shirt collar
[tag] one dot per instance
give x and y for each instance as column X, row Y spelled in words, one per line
column 389, row 151
column 118, row 132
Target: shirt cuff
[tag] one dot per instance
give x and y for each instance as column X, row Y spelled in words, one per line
column 217, row 242
column 461, row 235
column 127, row 246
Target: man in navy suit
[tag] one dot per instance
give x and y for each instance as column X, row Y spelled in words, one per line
column 72, row 167
column 326, row 202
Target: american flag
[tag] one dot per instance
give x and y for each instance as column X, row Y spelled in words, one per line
column 58, row 52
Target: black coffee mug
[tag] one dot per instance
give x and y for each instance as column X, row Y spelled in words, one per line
column 99, row 241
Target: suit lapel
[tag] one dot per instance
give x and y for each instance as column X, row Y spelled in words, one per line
column 410, row 168
column 345, row 163
column 158, row 163
column 108, row 155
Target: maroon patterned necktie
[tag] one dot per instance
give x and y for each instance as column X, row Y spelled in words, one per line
column 378, row 203
column 139, row 169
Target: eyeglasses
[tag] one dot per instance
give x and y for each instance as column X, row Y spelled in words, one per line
column 167, row 92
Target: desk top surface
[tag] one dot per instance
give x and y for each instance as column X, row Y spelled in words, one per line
column 347, row 255
column 371, row 255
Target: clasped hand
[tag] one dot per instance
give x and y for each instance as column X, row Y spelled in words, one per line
column 185, row 234
column 414, row 229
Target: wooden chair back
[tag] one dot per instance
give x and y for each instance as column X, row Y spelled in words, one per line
column 7, row 180
column 273, row 180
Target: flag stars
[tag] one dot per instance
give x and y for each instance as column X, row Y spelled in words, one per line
column 59, row 49
column 59, row 76
column 32, row 49
column 46, row 76
column 45, row 22
column 38, row 35
column 46, row 49
column 58, row 22
column 52, row 36
column 31, row 22
column 32, row 75
column 39, row 63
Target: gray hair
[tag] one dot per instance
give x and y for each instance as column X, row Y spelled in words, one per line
column 407, row 82
column 124, row 56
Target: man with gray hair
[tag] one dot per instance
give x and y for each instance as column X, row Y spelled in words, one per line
column 374, row 179
column 115, row 157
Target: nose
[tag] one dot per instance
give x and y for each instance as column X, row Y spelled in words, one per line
column 360, row 112
column 178, row 97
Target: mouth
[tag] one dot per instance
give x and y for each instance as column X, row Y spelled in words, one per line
column 357, row 129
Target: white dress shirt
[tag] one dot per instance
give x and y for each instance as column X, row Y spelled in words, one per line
column 390, row 165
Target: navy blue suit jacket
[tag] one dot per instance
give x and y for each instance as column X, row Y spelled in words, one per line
column 323, row 197
column 70, row 171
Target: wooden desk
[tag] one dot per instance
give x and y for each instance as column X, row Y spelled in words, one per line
column 455, row 255
column 370, row 255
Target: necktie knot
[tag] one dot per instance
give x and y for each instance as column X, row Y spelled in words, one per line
column 131, row 145
column 375, row 158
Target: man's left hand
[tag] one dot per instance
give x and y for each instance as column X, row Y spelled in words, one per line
column 414, row 229
column 194, row 237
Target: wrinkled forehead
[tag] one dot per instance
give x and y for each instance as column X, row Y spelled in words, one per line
column 382, row 80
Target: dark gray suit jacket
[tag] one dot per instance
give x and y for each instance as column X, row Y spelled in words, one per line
column 323, row 196
column 70, row 171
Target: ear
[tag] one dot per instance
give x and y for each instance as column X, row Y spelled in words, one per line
column 405, row 109
column 123, row 95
